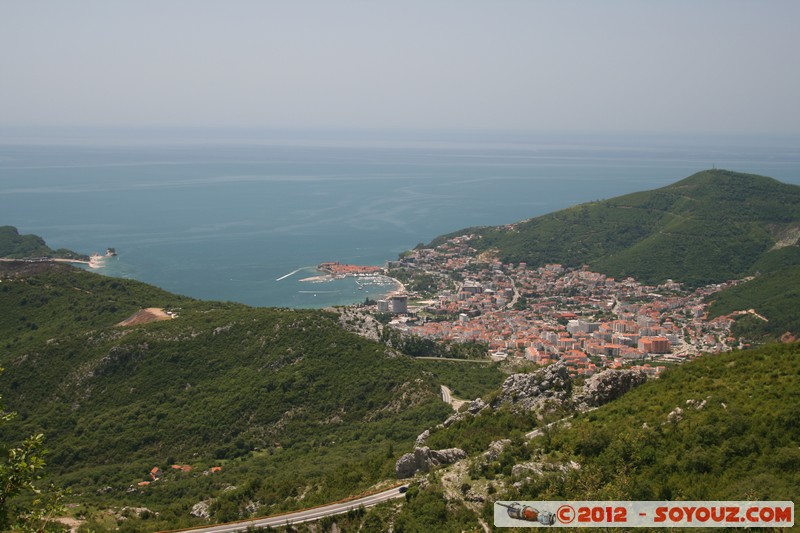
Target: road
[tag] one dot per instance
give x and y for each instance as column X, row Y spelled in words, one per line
column 447, row 397
column 540, row 431
column 482, row 361
column 308, row 515
column 514, row 300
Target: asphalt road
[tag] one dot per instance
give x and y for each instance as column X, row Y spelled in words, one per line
column 446, row 395
column 304, row 516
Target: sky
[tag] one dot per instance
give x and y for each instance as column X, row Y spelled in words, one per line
column 515, row 65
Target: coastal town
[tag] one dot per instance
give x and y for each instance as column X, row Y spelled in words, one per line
column 551, row 313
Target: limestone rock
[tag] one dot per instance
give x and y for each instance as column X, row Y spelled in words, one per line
column 676, row 415
column 533, row 468
column 697, row 404
column 423, row 459
column 532, row 391
column 476, row 406
column 455, row 417
column 526, row 469
column 607, row 386
column 422, row 438
column 495, row 449
column 200, row 510
column 252, row 508
column 472, row 496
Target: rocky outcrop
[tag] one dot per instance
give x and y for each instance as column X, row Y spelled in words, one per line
column 476, row 406
column 455, row 417
column 530, row 392
column 422, row 438
column 553, row 384
column 200, row 510
column 607, row 386
column 474, row 496
column 533, row 468
column 495, row 449
column 675, row 416
column 697, row 404
column 423, row 459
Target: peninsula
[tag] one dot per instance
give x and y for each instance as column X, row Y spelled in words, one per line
column 339, row 269
column 336, row 270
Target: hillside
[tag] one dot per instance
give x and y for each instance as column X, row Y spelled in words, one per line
column 265, row 393
column 297, row 412
column 722, row 427
column 16, row 246
column 774, row 294
column 710, row 227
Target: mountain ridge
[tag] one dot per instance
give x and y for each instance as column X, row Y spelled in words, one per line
column 13, row 245
column 713, row 226
column 706, row 228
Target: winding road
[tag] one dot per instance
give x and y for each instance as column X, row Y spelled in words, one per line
column 307, row 515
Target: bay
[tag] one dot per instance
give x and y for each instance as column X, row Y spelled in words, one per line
column 228, row 217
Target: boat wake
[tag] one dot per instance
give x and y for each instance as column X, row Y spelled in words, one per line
column 292, row 273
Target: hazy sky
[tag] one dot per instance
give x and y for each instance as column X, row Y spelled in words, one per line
column 560, row 65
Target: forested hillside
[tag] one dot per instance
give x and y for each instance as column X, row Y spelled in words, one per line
column 723, row 427
column 710, row 227
column 272, row 394
column 774, row 293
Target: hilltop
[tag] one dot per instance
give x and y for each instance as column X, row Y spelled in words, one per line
column 16, row 246
column 708, row 228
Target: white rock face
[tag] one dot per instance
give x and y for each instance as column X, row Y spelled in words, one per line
column 476, row 406
column 495, row 449
column 200, row 510
column 423, row 459
column 532, row 391
column 607, row 386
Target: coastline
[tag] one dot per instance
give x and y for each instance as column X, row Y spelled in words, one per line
column 95, row 261
column 401, row 288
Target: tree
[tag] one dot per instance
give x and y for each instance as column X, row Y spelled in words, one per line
column 21, row 468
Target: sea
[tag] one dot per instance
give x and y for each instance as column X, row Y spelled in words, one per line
column 247, row 216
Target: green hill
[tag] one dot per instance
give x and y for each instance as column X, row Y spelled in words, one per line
column 711, row 227
column 774, row 294
column 286, row 396
column 736, row 438
column 16, row 246
column 723, row 427
column 708, row 228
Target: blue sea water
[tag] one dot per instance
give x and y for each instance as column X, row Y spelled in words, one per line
column 225, row 218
